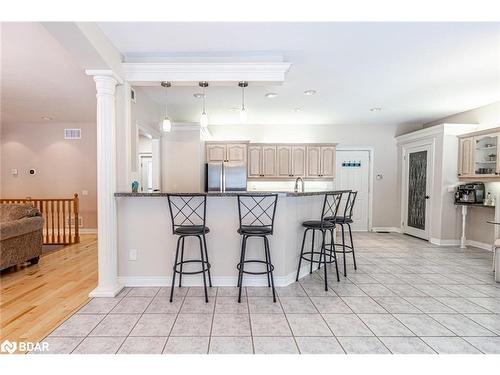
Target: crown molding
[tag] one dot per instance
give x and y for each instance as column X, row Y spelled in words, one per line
column 188, row 73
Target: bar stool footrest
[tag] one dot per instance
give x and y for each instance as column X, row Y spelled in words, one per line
column 238, row 266
column 338, row 245
column 206, row 267
column 317, row 261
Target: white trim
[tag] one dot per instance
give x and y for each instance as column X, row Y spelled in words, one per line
column 456, row 243
column 405, row 151
column 104, row 73
column 88, row 230
column 196, row 280
column 214, row 72
column 106, row 292
column 386, row 229
column 371, row 155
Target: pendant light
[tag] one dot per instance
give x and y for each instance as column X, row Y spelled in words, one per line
column 204, row 117
column 243, row 111
column 166, row 124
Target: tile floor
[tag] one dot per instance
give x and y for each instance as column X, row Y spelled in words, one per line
column 407, row 296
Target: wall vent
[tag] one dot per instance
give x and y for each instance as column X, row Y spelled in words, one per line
column 72, row 133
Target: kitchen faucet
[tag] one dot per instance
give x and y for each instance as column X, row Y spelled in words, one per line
column 296, row 188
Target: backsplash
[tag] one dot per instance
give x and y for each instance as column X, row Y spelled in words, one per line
column 288, row 185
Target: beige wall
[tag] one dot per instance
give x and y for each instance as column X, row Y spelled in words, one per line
column 386, row 201
column 64, row 167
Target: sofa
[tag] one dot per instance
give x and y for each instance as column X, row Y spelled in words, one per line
column 21, row 230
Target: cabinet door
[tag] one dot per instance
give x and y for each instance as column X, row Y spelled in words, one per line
column 466, row 156
column 328, row 161
column 268, row 161
column 284, row 161
column 254, row 161
column 484, row 156
column 313, row 161
column 216, row 152
column 298, row 161
column 236, row 152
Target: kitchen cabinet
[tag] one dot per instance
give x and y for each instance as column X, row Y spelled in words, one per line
column 226, row 152
column 478, row 155
column 299, row 158
column 268, row 161
column 321, row 161
column 291, row 161
column 261, row 161
column 284, row 161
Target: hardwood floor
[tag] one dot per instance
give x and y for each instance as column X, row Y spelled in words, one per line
column 36, row 299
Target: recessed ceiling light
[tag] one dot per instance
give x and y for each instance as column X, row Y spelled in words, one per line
column 47, row 118
column 375, row 109
column 199, row 95
column 296, row 110
column 271, row 95
column 309, row 92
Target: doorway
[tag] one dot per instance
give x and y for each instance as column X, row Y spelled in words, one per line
column 353, row 172
column 149, row 160
column 417, row 183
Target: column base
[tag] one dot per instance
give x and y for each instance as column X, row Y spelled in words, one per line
column 106, row 291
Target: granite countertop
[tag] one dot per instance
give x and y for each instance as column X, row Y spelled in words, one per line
column 227, row 193
column 473, row 204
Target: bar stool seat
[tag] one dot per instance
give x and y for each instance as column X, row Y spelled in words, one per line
column 248, row 229
column 192, row 230
column 340, row 220
column 318, row 224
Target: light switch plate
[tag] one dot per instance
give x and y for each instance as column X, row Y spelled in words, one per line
column 85, row 192
column 14, row 172
column 132, row 254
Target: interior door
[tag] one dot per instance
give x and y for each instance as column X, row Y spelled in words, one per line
column 417, row 191
column 352, row 172
column 146, row 172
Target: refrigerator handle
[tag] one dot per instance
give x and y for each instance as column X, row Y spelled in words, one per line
column 223, row 178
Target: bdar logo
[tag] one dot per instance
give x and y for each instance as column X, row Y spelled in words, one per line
column 8, row 346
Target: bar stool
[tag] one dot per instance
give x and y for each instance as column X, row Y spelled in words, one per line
column 346, row 219
column 330, row 208
column 188, row 213
column 256, row 215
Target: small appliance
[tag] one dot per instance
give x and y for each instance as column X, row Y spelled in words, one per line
column 470, row 193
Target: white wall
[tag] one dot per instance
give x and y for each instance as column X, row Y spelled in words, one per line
column 386, row 205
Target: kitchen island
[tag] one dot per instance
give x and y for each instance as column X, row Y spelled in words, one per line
column 145, row 233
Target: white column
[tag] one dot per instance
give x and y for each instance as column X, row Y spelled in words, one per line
column 106, row 185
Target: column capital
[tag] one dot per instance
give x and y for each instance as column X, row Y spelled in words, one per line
column 104, row 73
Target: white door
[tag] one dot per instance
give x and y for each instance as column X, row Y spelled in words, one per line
column 416, row 192
column 352, row 172
column 146, row 172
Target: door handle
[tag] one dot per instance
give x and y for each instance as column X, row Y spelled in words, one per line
column 427, row 197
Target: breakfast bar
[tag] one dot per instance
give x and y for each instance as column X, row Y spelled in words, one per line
column 146, row 245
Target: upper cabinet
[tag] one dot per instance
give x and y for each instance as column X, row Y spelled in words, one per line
column 478, row 154
column 226, row 152
column 321, row 161
column 277, row 161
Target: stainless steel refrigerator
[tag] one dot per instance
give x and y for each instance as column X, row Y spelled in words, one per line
column 225, row 176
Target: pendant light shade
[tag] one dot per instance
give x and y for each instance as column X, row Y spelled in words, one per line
column 204, row 116
column 243, row 111
column 166, row 125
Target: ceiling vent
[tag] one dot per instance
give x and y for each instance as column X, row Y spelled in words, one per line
column 72, row 133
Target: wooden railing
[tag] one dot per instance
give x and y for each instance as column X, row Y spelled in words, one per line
column 60, row 216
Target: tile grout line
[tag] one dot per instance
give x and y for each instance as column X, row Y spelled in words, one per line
column 175, row 320
column 213, row 318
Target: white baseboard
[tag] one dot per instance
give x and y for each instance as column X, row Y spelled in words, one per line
column 106, row 291
column 88, row 230
column 197, row 280
column 456, row 243
column 386, row 229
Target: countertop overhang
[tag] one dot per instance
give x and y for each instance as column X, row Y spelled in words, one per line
column 230, row 193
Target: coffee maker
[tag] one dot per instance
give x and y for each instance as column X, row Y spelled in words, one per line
column 470, row 193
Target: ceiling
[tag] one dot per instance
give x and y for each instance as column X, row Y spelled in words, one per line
column 39, row 78
column 415, row 72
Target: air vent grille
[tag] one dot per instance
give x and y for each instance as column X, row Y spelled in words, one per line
column 72, row 133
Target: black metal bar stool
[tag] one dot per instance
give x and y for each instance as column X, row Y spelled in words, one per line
column 330, row 208
column 345, row 219
column 188, row 213
column 256, row 214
